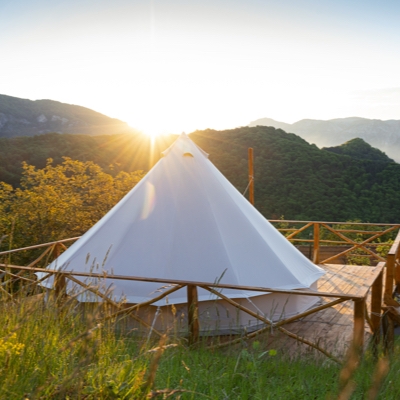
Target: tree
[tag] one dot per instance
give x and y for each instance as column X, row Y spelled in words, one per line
column 60, row 201
column 6, row 195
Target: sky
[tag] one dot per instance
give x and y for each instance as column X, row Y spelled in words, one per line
column 167, row 66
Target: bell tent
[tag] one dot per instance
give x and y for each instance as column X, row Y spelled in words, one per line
column 185, row 221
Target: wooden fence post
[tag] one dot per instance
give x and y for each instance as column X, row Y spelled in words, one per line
column 359, row 317
column 390, row 261
column 60, row 283
column 316, row 244
column 60, row 287
column 395, row 250
column 376, row 305
column 193, row 314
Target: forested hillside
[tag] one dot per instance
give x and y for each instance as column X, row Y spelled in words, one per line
column 114, row 153
column 23, row 117
column 292, row 178
column 300, row 181
column 360, row 149
column 384, row 135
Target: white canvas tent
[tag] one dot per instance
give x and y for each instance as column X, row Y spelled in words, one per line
column 185, row 221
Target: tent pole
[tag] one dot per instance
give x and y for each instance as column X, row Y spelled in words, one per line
column 316, row 244
column 251, row 176
column 193, row 314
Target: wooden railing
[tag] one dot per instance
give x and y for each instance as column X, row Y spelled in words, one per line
column 316, row 234
column 359, row 299
column 350, row 239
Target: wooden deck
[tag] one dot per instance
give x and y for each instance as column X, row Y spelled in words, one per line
column 333, row 327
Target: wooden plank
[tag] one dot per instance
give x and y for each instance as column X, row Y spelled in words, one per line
column 340, row 280
column 316, row 328
column 338, row 316
column 311, row 327
column 335, row 326
column 361, row 278
column 325, row 282
column 373, row 274
column 335, row 319
column 327, row 324
column 344, row 315
column 340, row 326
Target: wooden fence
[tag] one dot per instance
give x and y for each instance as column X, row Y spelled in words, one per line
column 366, row 239
column 348, row 237
column 358, row 297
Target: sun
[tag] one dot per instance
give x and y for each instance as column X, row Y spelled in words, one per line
column 153, row 133
column 151, row 129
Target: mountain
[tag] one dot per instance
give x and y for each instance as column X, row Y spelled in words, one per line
column 361, row 150
column 22, row 117
column 121, row 152
column 384, row 135
column 293, row 178
column 271, row 122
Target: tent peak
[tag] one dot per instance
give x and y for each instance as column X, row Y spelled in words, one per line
column 185, row 146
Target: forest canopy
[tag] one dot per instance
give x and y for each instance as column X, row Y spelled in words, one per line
column 56, row 186
column 58, row 201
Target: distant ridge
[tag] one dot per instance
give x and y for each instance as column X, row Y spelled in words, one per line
column 384, row 135
column 23, row 117
column 361, row 150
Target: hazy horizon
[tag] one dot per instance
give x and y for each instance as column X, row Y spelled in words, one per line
column 178, row 66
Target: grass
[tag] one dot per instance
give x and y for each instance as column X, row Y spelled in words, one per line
column 46, row 353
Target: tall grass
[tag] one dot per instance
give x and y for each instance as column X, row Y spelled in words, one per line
column 52, row 353
column 48, row 353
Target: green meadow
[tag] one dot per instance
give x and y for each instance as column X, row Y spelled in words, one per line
column 56, row 352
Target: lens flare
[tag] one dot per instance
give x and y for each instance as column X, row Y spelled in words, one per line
column 150, row 201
